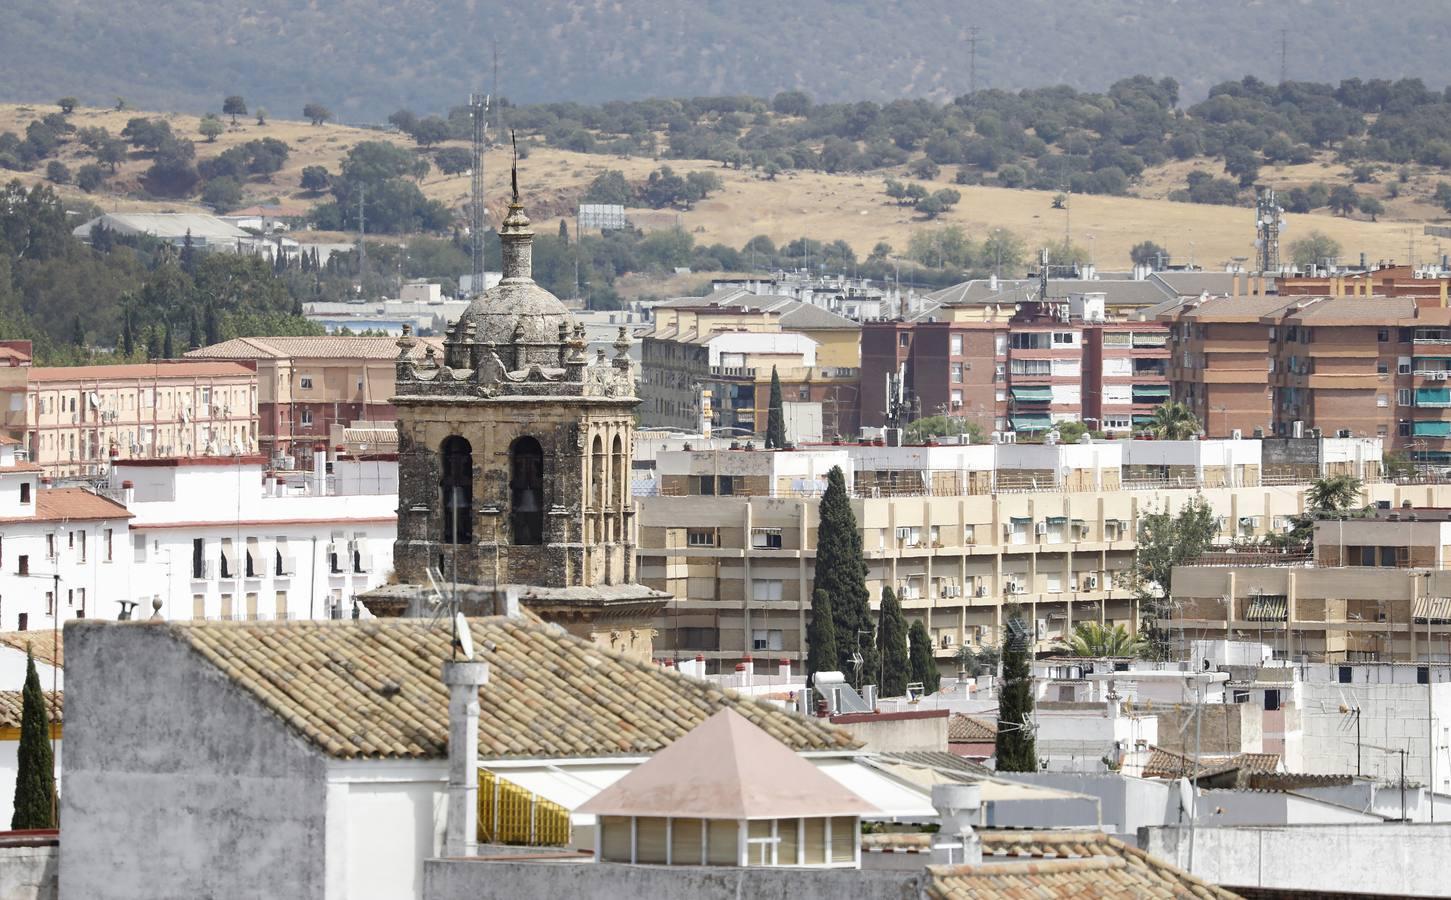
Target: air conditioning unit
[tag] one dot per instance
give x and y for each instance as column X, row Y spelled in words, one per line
column 1015, row 588
column 946, row 641
column 1236, row 434
column 981, row 591
column 1090, row 582
column 1040, row 527
column 1343, row 433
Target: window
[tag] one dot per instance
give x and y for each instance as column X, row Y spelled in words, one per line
column 726, row 485
column 1423, row 674
column 138, row 544
column 1382, row 367
column 699, row 639
column 305, row 382
column 110, row 545
column 1383, row 334
column 1343, row 675
column 956, row 398
column 766, row 639
column 306, row 416
column 24, row 622
column 957, row 373
column 700, row 537
column 457, row 488
column 279, row 605
column 227, row 564
column 81, row 605
column 1403, row 365
column 766, row 590
column 253, row 563
column 50, row 546
column 765, row 539
column 24, row 564
column 903, row 339
column 526, row 490
column 1403, row 396
column 50, row 603
column 198, row 559
column 1381, row 400
column 969, row 534
column 955, row 343
column 24, row 492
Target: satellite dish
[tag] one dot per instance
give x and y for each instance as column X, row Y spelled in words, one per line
column 462, row 637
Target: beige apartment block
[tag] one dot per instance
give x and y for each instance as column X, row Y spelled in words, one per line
column 74, row 420
column 732, row 536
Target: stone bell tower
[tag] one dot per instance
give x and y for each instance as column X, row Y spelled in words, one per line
column 514, row 464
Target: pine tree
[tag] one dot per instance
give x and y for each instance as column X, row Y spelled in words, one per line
column 35, row 779
column 1016, row 750
column 924, row 668
column 820, row 637
column 775, row 420
column 892, row 646
column 841, row 571
column 128, row 334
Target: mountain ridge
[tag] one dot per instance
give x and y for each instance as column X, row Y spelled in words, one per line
column 364, row 58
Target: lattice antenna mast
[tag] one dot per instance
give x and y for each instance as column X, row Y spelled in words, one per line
column 972, row 61
column 479, row 112
column 1269, row 222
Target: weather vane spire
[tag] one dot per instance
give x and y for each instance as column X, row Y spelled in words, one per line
column 514, row 168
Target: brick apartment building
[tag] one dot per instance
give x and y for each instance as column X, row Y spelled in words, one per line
column 1370, row 366
column 1021, row 370
column 73, row 420
column 307, row 385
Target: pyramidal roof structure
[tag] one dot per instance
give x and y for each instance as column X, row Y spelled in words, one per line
column 727, row 768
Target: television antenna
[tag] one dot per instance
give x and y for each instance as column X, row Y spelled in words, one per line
column 1269, row 222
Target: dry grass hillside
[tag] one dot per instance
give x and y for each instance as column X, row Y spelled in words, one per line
column 826, row 207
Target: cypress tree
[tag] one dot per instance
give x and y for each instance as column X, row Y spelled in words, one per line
column 128, row 334
column 153, row 342
column 841, row 571
column 924, row 669
column 194, row 331
column 188, row 254
column 820, row 636
column 35, row 779
column 775, row 419
column 1016, row 750
column 168, row 351
column 78, row 332
column 892, row 645
column 564, row 231
column 213, row 331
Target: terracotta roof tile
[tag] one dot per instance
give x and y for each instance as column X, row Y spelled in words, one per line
column 321, row 347
column 372, row 689
column 12, row 702
column 139, row 371
column 1084, row 865
column 71, row 504
column 47, row 646
column 969, row 729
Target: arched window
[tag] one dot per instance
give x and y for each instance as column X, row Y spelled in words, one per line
column 597, row 474
column 622, row 474
column 526, row 491
column 457, row 487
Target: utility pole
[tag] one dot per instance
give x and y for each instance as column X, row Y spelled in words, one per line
column 362, row 233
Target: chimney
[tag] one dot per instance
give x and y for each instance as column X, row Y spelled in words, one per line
column 128, row 494
column 319, row 469
column 783, row 669
column 959, row 807
column 463, row 677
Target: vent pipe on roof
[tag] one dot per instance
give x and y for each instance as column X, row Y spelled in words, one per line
column 959, row 808
column 464, row 678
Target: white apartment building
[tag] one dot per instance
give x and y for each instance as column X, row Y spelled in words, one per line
column 61, row 549
column 227, row 538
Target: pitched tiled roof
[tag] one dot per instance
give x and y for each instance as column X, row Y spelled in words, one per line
column 947, row 763
column 1084, row 865
column 969, row 729
column 1168, row 764
column 372, row 689
column 47, row 646
column 322, row 347
column 12, row 702
column 71, row 504
column 139, row 371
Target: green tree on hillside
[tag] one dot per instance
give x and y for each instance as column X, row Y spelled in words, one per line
column 316, row 113
column 35, row 776
column 67, row 104
column 210, row 128
column 234, row 106
column 892, row 646
column 1016, row 748
column 1314, row 249
column 775, row 415
column 841, row 571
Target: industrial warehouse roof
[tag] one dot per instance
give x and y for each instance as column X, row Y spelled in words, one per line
column 727, row 768
column 793, row 313
column 372, row 689
column 167, row 226
column 12, row 704
column 336, row 347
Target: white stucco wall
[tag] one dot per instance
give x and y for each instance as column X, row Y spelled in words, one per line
column 384, row 819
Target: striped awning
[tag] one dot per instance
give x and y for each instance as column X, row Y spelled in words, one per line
column 1150, row 392
column 1033, row 394
column 1039, row 422
column 1268, row 609
column 1436, row 609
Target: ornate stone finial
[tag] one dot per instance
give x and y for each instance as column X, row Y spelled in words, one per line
column 563, row 343
column 516, row 240
column 622, row 344
column 600, row 356
column 406, row 342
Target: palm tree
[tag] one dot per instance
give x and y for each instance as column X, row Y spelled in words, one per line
column 1094, row 640
column 1333, row 493
column 1173, row 422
